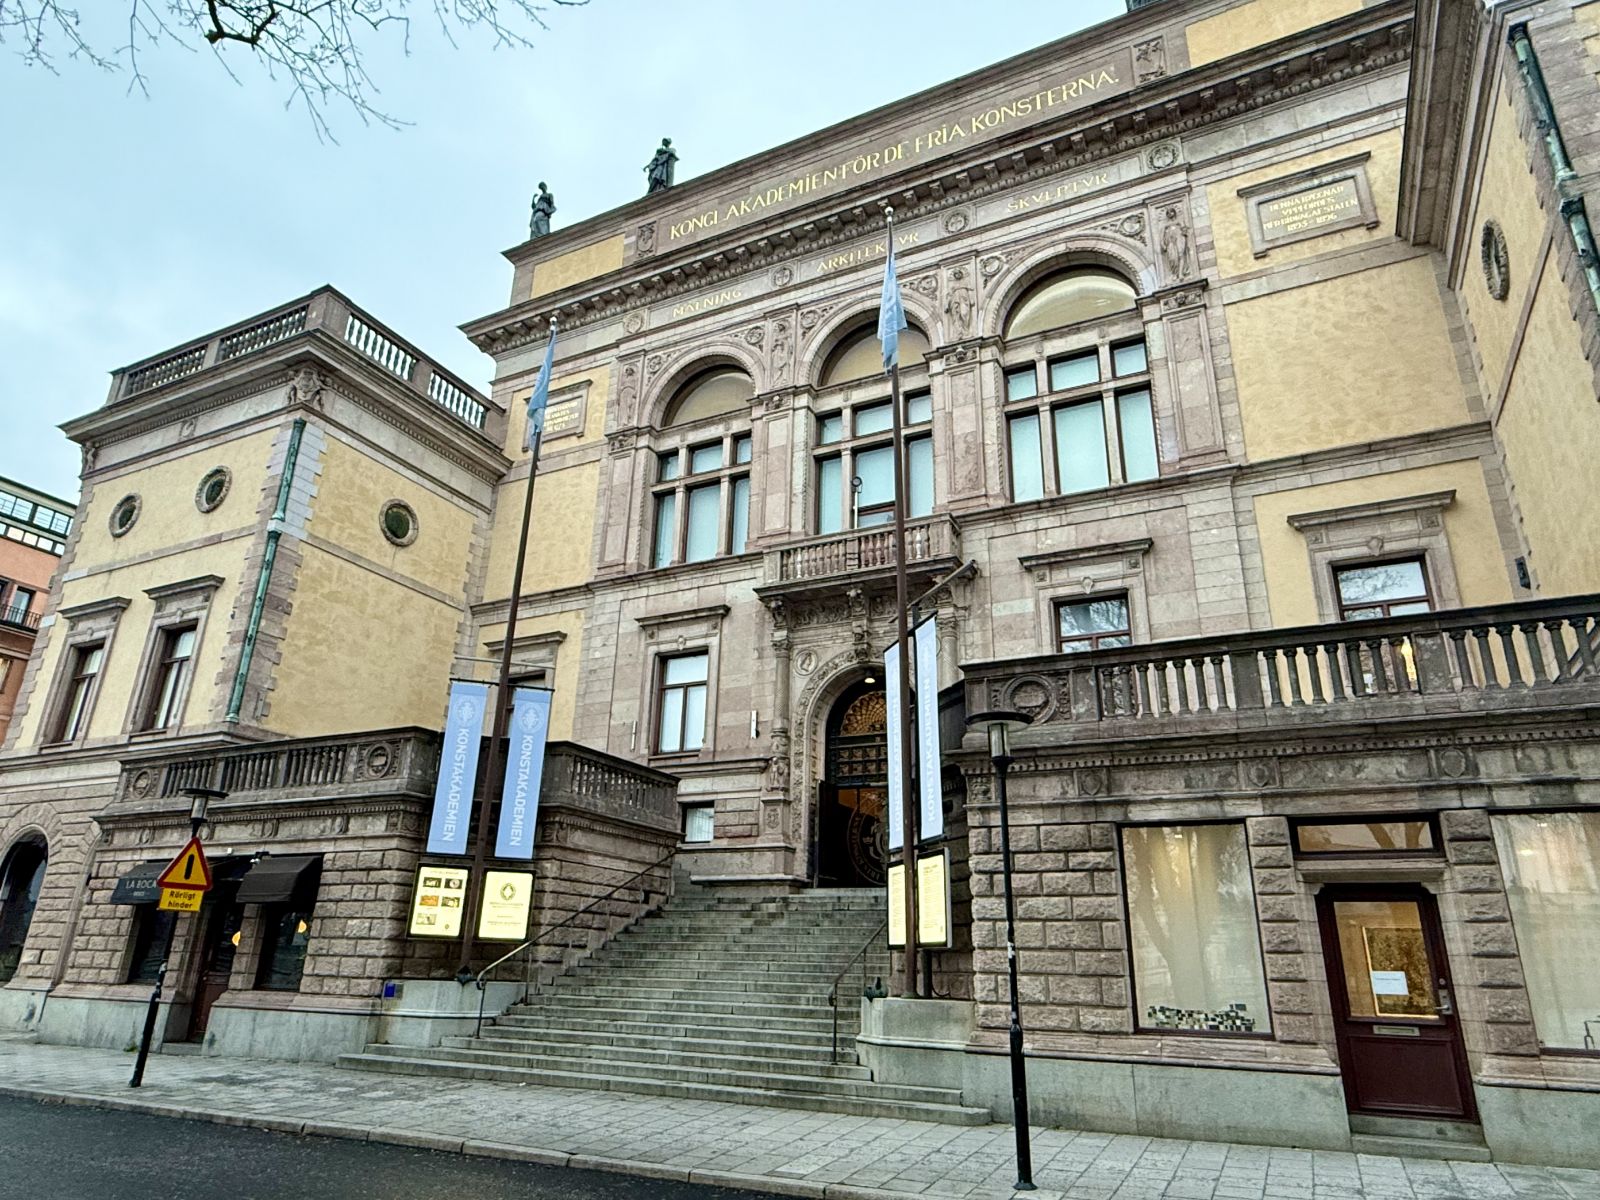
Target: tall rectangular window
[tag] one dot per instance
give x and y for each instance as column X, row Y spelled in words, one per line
column 1081, row 463
column 171, row 679
column 18, row 604
column 702, row 535
column 1027, row 460
column 1193, row 934
column 283, row 951
column 699, row 822
column 666, row 533
column 75, row 703
column 681, row 703
column 1551, row 864
column 1136, row 429
column 874, row 499
column 152, row 930
column 739, row 517
column 919, row 470
column 830, row 494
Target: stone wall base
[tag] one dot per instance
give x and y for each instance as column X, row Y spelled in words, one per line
column 1549, row 1127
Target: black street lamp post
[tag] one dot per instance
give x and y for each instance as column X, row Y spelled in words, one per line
column 998, row 724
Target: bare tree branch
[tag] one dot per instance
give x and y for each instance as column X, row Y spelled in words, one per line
column 314, row 49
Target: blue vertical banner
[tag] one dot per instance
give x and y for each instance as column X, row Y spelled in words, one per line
column 458, row 768
column 519, row 801
column 891, row 691
column 930, row 767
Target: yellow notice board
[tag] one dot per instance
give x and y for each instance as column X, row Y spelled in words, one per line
column 180, row 900
column 507, row 898
column 437, row 901
column 933, row 902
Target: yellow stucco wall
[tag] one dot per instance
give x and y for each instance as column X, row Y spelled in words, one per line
column 568, row 659
column 1229, row 217
column 1550, row 429
column 193, row 546
column 1359, row 357
column 560, row 537
column 1469, row 525
column 1508, row 194
column 586, row 262
column 594, row 417
column 352, row 491
column 362, row 652
column 1259, row 22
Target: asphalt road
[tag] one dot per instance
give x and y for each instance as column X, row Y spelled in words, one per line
column 60, row 1152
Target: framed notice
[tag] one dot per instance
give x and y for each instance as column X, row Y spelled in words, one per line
column 507, row 901
column 437, row 902
column 933, row 902
column 1327, row 198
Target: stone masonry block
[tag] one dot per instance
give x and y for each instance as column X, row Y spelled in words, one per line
column 1105, row 883
column 1068, row 883
column 1507, row 1006
column 1491, row 941
column 1281, row 937
column 1039, row 862
column 1278, row 908
column 1472, row 853
column 1090, row 962
column 1073, row 935
column 1270, row 856
column 1477, row 879
column 1044, row 908
column 1030, row 935
column 1511, row 1039
column 1074, row 989
column 1097, row 908
column 1465, row 824
column 1484, row 908
column 1276, row 883
column 1286, row 967
column 1103, row 837
column 1092, row 860
column 1290, row 998
column 1114, row 991
column 1064, row 837
column 1113, row 935
column 1499, row 973
column 1024, row 838
column 1267, row 831
column 1105, row 1020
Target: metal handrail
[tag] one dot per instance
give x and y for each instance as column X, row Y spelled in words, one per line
column 480, row 980
column 833, row 991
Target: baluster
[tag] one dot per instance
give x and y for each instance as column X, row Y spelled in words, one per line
column 1486, row 662
column 1458, row 649
column 1160, row 704
column 1142, row 671
column 1536, row 663
column 1219, row 680
column 1202, row 702
column 1513, row 666
column 1274, row 684
column 1314, row 669
column 1565, row 667
column 1402, row 657
column 1330, row 651
column 1380, row 674
column 1580, row 627
column 1291, row 659
column 1353, row 669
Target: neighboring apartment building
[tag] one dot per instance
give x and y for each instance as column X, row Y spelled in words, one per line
column 33, row 535
column 1253, row 369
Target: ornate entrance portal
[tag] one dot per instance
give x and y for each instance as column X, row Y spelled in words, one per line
column 853, row 796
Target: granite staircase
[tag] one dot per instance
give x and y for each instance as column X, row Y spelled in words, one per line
column 712, row 998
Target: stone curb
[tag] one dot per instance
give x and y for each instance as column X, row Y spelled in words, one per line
column 471, row 1147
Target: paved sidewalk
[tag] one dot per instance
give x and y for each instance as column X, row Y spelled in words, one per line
column 771, row 1149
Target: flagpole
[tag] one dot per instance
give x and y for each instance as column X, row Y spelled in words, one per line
column 502, row 707
column 908, row 799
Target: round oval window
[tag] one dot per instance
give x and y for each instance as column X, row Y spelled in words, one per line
column 399, row 523
column 124, row 515
column 213, row 489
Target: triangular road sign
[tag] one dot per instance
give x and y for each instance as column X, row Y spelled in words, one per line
column 189, row 872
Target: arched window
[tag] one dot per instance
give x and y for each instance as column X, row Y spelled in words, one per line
column 1079, row 415
column 719, row 392
column 701, row 488
column 1069, row 298
column 859, row 354
column 21, row 877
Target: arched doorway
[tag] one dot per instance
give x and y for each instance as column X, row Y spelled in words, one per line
column 21, row 877
column 853, row 796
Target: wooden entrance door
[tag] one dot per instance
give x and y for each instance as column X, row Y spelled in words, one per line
column 1393, row 1003
column 219, row 945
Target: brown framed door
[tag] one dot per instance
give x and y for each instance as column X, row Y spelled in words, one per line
column 1400, row 1045
column 219, row 946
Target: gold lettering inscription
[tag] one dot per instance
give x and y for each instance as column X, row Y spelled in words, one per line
column 689, row 307
column 1311, row 209
column 944, row 135
column 861, row 254
column 1065, row 191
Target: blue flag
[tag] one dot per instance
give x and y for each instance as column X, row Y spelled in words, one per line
column 891, row 313
column 540, row 398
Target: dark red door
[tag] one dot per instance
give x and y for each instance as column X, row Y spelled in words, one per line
column 218, row 948
column 1393, row 1003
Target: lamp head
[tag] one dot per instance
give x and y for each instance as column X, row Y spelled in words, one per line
column 997, row 723
column 200, row 799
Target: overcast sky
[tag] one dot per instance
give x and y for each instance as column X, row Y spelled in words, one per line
column 132, row 224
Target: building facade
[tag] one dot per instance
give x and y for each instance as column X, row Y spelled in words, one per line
column 1251, row 378
column 33, row 531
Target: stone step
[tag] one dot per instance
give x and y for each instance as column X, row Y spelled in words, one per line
column 818, row 1051
column 1419, row 1147
column 690, row 973
column 793, row 991
column 663, row 1062
column 1466, row 1132
column 628, row 1023
column 733, row 1017
column 660, row 1002
column 941, row 1105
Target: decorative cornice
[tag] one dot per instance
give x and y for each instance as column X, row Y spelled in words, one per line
column 656, row 620
column 1149, row 115
column 184, row 587
column 1424, row 502
column 1054, row 558
column 105, row 606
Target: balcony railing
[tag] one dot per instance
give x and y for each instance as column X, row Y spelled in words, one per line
column 20, row 618
column 1520, row 655
column 405, row 761
column 858, row 550
column 325, row 311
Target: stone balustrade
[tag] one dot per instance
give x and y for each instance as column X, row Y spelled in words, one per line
column 324, row 313
column 858, row 550
column 1531, row 655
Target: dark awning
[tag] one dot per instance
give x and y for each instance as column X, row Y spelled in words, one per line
column 278, row 879
column 138, row 886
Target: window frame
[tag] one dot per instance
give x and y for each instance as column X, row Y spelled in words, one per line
column 69, row 720
column 848, row 446
column 169, row 678
column 658, row 706
column 1057, row 603
column 269, row 923
column 1110, row 334
column 1431, row 820
column 685, row 480
column 1343, row 609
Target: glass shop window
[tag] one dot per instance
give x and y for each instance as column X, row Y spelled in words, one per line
column 287, row 932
